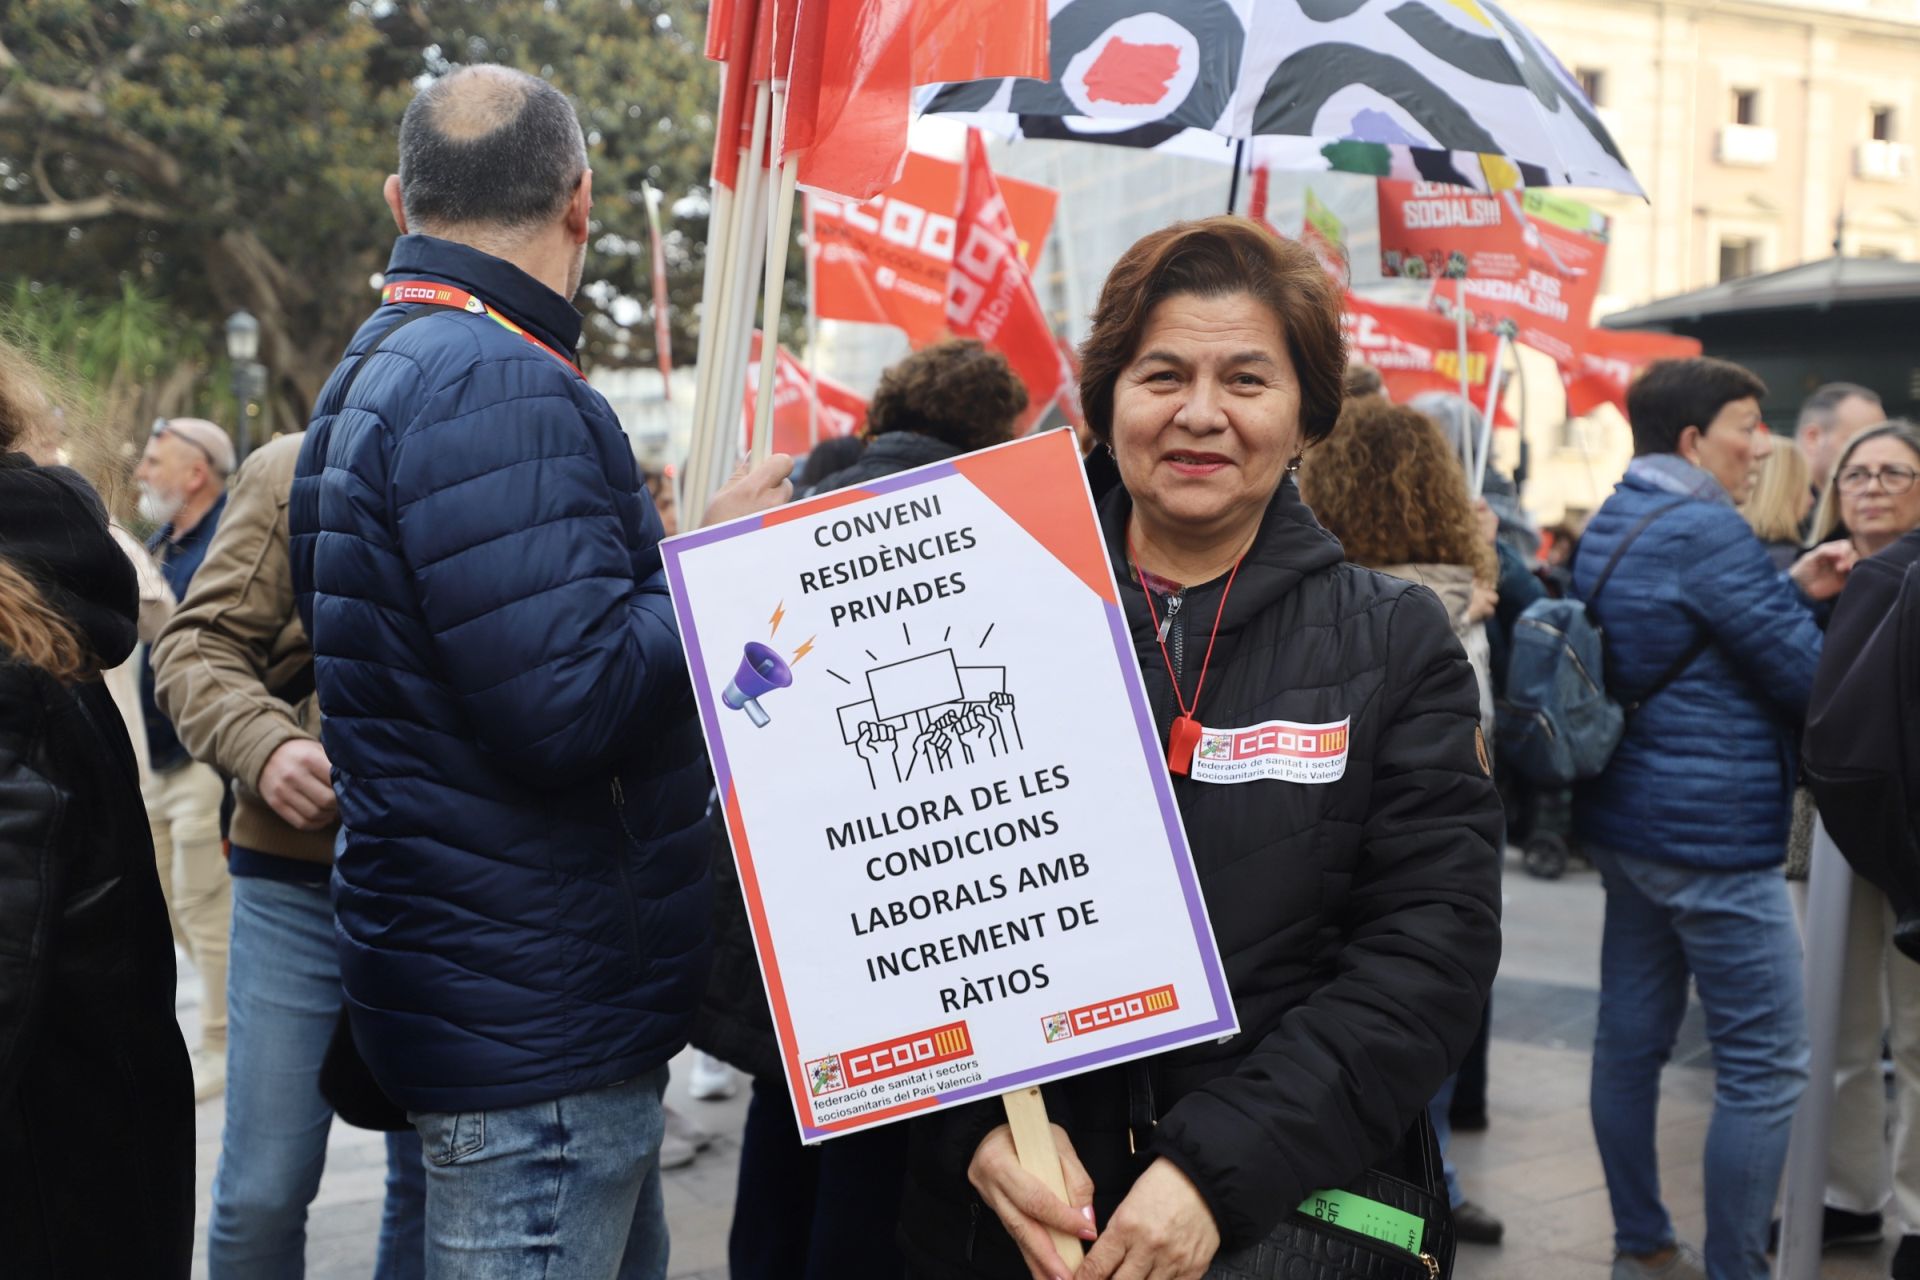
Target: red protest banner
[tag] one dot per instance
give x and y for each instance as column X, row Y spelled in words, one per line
column 886, row 261
column 1610, row 359
column 989, row 293
column 843, row 411
column 1417, row 351
column 1430, row 229
column 1551, row 302
column 1533, row 259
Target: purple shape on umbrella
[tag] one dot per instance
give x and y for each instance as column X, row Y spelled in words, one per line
column 1369, row 125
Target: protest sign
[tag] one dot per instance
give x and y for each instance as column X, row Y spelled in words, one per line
column 886, row 261
column 1551, row 303
column 949, row 805
column 1533, row 258
column 1608, row 361
column 1416, row 351
column 1430, row 230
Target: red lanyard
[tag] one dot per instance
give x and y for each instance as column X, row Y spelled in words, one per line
column 445, row 295
column 1183, row 736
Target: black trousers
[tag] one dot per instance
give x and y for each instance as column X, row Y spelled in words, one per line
column 825, row 1212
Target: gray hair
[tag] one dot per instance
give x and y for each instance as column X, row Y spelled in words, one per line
column 1817, row 409
column 489, row 146
column 1457, row 419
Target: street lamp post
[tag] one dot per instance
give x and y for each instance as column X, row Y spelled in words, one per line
column 249, row 375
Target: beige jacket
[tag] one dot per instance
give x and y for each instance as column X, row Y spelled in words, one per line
column 1453, row 583
column 234, row 640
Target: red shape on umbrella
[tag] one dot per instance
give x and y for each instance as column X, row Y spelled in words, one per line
column 1133, row 75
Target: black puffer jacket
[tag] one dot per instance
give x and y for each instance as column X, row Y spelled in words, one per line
column 1358, row 920
column 889, row 454
column 96, row 1096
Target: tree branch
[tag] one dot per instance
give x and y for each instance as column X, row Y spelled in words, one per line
column 53, row 111
column 54, row 212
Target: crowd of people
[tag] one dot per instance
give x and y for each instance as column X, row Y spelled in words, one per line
column 390, row 731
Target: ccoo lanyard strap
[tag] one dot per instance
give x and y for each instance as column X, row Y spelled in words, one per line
column 1184, row 736
column 435, row 294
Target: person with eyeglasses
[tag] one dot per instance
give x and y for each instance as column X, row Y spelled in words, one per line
column 1873, row 499
column 182, row 476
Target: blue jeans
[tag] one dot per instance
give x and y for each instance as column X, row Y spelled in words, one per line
column 1439, row 1115
column 1734, row 933
column 283, row 996
column 557, row 1190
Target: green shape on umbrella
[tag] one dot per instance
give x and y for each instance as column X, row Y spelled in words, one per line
column 1370, row 158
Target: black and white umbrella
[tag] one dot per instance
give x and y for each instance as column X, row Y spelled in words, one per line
column 1451, row 90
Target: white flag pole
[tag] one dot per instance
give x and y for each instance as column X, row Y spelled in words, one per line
column 813, row 332
column 1482, row 448
column 779, row 234
column 708, row 458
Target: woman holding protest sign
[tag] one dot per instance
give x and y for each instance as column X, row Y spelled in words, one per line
column 1354, row 895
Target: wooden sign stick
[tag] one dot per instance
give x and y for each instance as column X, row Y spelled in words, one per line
column 1033, row 1143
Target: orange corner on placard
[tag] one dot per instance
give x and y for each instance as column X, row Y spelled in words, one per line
column 1008, row 478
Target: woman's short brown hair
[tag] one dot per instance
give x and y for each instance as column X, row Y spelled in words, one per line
column 1389, row 487
column 1212, row 258
column 958, row 391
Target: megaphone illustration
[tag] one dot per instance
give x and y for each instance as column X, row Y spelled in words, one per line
column 761, row 670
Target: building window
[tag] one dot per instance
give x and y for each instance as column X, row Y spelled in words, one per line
column 1746, row 106
column 1883, row 124
column 1593, row 83
column 1739, row 256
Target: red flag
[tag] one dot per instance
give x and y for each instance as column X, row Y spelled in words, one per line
column 849, row 94
column 843, row 411
column 989, row 293
column 662, row 331
column 854, row 66
column 1608, row 362
column 886, row 261
column 979, row 39
column 1417, row 351
column 734, row 48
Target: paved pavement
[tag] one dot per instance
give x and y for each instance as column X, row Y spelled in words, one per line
column 1535, row 1166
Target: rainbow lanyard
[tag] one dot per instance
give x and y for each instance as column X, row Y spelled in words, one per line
column 445, row 295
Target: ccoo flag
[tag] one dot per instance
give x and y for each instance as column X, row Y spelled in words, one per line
column 989, row 293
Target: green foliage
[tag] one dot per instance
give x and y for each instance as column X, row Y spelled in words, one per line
column 165, row 162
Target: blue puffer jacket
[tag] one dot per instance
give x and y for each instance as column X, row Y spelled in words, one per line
column 522, row 899
column 1704, row 775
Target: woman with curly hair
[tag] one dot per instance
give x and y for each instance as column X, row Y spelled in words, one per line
column 1389, row 487
column 940, row 402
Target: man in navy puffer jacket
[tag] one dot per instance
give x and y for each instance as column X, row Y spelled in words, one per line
column 521, row 896
column 1688, row 824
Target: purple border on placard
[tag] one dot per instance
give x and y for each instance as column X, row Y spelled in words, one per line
column 1223, row 1020
column 1169, row 813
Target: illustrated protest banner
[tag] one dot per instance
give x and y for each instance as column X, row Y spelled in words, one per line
column 886, row 261
column 1533, row 259
column 1431, row 231
column 1610, row 359
column 948, row 801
